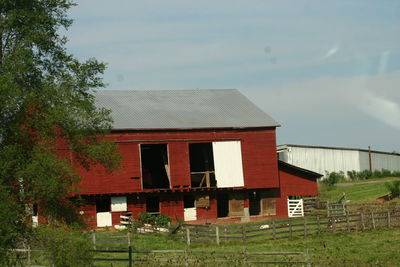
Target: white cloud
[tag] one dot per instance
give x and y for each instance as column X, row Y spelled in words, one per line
column 382, row 109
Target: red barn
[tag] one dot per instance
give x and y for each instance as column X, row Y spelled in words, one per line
column 195, row 155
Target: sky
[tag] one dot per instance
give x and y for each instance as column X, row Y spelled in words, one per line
column 327, row 71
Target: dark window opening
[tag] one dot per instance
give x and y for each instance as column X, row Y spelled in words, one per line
column 155, row 167
column 34, row 210
column 103, row 205
column 188, row 201
column 202, row 165
column 153, row 204
column 222, row 205
column 255, row 203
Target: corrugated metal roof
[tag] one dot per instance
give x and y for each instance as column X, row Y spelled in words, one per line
column 182, row 109
column 282, row 147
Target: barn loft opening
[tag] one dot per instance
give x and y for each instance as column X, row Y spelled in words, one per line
column 202, row 171
column 153, row 205
column 155, row 166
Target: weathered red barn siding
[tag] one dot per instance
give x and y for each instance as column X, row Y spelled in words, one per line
column 258, row 155
column 178, row 154
column 295, row 184
column 204, row 214
column 88, row 210
column 172, row 205
column 124, row 180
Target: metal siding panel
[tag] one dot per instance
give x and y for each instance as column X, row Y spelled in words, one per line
column 228, row 164
column 324, row 160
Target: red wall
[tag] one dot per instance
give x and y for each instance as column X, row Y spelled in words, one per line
column 293, row 184
column 259, row 157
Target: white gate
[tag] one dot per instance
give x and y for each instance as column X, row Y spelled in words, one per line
column 295, row 208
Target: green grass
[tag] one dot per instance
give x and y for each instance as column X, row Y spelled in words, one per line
column 357, row 193
column 369, row 248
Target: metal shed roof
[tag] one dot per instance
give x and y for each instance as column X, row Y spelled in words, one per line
column 182, row 109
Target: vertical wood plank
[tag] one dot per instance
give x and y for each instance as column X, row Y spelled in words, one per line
column 94, row 241
column 290, row 228
column 333, row 224
column 319, row 225
column 362, row 221
column 188, row 236
column 217, row 234
column 273, row 230
column 388, row 219
column 348, row 222
column 373, row 220
column 305, row 226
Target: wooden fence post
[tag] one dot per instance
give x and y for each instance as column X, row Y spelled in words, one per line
column 29, row 256
column 243, row 233
column 333, row 224
column 217, row 234
column 362, row 221
column 186, row 257
column 273, row 230
column 188, row 236
column 305, row 226
column 244, row 256
column 130, row 256
column 129, row 238
column 388, row 219
column 373, row 220
column 290, row 228
column 319, row 225
column 94, row 240
column 348, row 222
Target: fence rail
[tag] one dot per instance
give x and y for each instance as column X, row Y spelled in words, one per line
column 291, row 227
column 185, row 257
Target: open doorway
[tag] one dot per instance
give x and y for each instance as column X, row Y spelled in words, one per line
column 103, row 212
column 222, row 205
column 155, row 166
column 190, row 212
column 153, row 205
column 202, row 165
column 254, row 203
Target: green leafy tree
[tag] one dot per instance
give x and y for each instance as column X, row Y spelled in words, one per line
column 47, row 111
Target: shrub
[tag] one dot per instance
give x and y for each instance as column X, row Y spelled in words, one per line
column 159, row 220
column 394, row 188
column 333, row 177
column 64, row 247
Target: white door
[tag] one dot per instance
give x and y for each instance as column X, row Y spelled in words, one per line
column 104, row 219
column 228, row 164
column 190, row 214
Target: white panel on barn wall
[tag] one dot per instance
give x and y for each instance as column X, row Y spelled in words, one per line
column 190, row 214
column 228, row 164
column 104, row 219
column 119, row 204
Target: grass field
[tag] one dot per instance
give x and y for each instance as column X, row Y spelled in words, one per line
column 360, row 192
column 369, row 248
